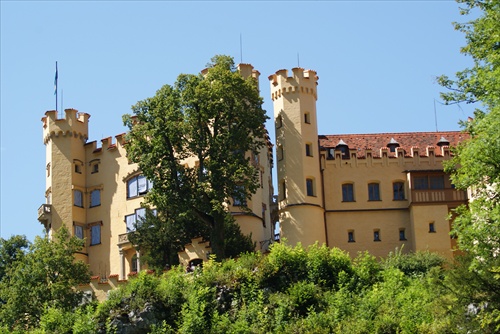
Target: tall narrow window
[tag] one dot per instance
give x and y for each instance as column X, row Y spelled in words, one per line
column 95, row 197
column 376, row 235
column 307, row 118
column 79, row 231
column 350, row 236
column 239, row 196
column 279, row 152
column 279, row 122
column 95, row 234
column 309, row 150
column 77, row 198
column 432, row 227
column 402, row 234
column 348, row 192
column 283, row 189
column 130, row 221
column 373, row 192
column 398, row 189
column 310, row 187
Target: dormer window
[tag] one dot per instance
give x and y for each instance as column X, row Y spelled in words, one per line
column 443, row 142
column 343, row 148
column 392, row 145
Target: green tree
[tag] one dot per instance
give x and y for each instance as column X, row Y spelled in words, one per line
column 215, row 119
column 44, row 278
column 11, row 250
column 476, row 163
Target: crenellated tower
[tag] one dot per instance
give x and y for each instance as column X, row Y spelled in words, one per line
column 300, row 193
column 64, row 140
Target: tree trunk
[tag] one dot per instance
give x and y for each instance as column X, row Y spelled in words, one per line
column 217, row 242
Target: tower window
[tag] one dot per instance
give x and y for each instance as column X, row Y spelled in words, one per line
column 309, row 150
column 239, row 196
column 350, row 236
column 402, row 234
column 376, row 235
column 279, row 152
column 48, row 169
column 79, row 231
column 348, row 192
column 398, row 191
column 373, row 192
column 279, row 122
column 283, row 190
column 77, row 198
column 432, row 228
column 310, row 187
column 95, row 234
column 95, row 197
column 307, row 118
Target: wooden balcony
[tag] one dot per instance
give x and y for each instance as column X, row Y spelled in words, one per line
column 44, row 212
column 438, row 196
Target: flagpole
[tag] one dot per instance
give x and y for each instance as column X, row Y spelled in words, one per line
column 55, row 85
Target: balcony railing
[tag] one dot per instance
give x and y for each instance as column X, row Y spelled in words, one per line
column 438, row 195
column 122, row 238
column 44, row 212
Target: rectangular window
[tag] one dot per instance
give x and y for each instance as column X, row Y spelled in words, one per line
column 237, row 198
column 283, row 189
column 95, row 168
column 376, row 235
column 420, row 182
column 130, row 221
column 95, row 197
column 432, row 228
column 402, row 234
column 398, row 191
column 137, row 218
column 436, row 181
column 138, row 185
column 350, row 236
column 79, row 231
column 310, row 187
column 309, row 150
column 77, row 198
column 348, row 192
column 95, row 234
column 279, row 152
column 373, row 192
column 307, row 118
column 78, row 168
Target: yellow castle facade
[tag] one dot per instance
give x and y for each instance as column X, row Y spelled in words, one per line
column 358, row 192
column 96, row 192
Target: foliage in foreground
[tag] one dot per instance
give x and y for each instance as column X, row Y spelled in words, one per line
column 40, row 280
column 290, row 290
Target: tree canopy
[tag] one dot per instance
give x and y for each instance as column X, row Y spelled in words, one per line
column 194, row 141
column 476, row 163
column 44, row 276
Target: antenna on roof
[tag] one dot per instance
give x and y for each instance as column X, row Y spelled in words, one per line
column 241, row 50
column 298, row 60
column 435, row 116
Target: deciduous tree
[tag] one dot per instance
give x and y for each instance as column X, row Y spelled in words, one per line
column 194, row 140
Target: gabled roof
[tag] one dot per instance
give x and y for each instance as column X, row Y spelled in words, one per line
column 406, row 140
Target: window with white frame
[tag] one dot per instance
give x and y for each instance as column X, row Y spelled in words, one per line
column 136, row 219
column 138, row 185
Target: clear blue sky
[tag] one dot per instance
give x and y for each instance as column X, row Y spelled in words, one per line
column 377, row 62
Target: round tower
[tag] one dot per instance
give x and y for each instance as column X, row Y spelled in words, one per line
column 300, row 195
column 64, row 140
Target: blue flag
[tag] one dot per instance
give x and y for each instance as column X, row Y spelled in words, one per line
column 55, row 81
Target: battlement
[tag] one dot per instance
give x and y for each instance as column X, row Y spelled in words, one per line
column 247, row 70
column 75, row 124
column 302, row 81
column 107, row 144
column 385, row 153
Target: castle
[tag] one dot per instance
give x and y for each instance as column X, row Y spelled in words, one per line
column 374, row 192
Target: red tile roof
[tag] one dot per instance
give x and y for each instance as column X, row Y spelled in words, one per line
column 406, row 140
